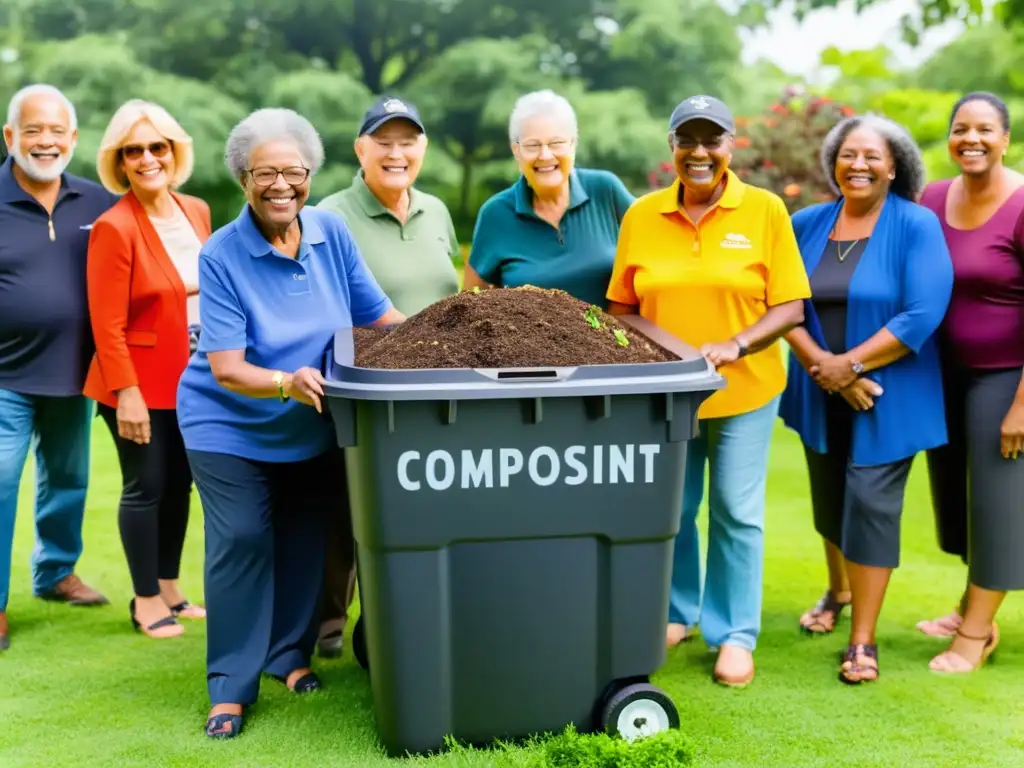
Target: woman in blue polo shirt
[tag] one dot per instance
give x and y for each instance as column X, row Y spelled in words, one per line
column 557, row 226
column 275, row 284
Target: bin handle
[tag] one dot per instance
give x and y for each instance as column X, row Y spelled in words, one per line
column 518, row 375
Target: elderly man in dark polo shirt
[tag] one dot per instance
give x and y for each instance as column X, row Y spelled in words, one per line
column 45, row 340
column 408, row 241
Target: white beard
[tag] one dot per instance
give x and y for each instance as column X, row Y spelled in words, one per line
column 28, row 164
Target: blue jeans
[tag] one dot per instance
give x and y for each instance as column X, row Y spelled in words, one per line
column 57, row 429
column 727, row 602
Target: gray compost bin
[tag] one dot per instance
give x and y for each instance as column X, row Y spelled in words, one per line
column 514, row 534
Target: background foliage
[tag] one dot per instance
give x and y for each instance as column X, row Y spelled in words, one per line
column 623, row 63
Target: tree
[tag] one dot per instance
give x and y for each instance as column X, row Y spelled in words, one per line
column 667, row 49
column 931, row 12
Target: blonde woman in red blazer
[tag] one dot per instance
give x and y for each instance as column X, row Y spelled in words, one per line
column 143, row 275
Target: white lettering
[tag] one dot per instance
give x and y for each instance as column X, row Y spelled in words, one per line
column 477, row 474
column 403, row 471
column 581, row 469
column 649, row 452
column 449, row 470
column 621, row 464
column 510, row 463
column 552, row 456
column 545, row 466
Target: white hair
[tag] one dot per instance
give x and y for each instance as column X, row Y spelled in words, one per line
column 38, row 89
column 544, row 103
column 272, row 124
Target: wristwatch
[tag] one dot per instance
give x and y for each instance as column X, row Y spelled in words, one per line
column 742, row 346
column 857, row 367
column 278, row 379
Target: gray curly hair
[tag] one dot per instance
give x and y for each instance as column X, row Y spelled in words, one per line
column 272, row 124
column 906, row 155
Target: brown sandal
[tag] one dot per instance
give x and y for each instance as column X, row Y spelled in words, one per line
column 860, row 664
column 824, row 616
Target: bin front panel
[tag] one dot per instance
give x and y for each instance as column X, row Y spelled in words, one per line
column 428, row 474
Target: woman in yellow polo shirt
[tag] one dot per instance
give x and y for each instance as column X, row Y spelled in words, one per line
column 715, row 262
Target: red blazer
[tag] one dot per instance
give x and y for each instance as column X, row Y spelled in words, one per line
column 137, row 304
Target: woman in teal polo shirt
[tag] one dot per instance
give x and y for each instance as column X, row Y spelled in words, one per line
column 274, row 286
column 557, row 226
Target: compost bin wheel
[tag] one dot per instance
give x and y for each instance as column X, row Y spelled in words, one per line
column 359, row 644
column 639, row 710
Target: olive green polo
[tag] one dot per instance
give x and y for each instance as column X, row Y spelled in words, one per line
column 412, row 262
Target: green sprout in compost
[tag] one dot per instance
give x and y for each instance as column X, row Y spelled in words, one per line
column 593, row 318
column 475, row 289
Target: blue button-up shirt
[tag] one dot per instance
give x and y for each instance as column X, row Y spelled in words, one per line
column 45, row 338
column 284, row 313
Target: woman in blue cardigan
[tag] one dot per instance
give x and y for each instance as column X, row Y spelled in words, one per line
column 864, row 389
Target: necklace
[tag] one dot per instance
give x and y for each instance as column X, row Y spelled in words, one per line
column 839, row 251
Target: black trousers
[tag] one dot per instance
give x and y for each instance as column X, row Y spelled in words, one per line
column 266, row 525
column 977, row 495
column 155, row 494
column 857, row 508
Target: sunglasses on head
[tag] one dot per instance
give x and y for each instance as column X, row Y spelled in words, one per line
column 135, row 151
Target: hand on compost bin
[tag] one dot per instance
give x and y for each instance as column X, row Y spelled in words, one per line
column 307, row 386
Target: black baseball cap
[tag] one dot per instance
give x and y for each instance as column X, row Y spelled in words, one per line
column 389, row 108
column 702, row 108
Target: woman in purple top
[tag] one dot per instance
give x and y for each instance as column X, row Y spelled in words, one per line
column 978, row 477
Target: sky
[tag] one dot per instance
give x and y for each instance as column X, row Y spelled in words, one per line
column 796, row 47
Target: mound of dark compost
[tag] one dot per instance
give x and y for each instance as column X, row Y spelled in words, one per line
column 506, row 328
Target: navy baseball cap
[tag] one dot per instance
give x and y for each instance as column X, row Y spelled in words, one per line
column 389, row 108
column 702, row 108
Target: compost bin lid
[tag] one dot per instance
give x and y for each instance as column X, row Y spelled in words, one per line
column 691, row 373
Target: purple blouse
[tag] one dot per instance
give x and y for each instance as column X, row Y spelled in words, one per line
column 984, row 326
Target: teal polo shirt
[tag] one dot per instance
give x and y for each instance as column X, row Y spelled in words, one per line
column 412, row 262
column 513, row 246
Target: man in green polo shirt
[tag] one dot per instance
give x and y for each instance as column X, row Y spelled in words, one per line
column 408, row 241
column 406, row 236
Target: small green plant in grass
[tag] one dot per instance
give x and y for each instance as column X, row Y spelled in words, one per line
column 571, row 749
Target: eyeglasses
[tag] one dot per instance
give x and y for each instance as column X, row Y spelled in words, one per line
column 135, row 151
column 532, row 149
column 689, row 142
column 264, row 177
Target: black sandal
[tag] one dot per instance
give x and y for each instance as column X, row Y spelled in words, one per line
column 224, row 726
column 308, row 683
column 854, row 670
column 826, row 606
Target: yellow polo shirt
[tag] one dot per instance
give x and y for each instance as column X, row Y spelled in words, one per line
column 709, row 281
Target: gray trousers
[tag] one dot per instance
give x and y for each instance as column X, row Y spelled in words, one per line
column 977, row 495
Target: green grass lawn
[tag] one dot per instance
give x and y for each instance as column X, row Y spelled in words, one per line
column 80, row 688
